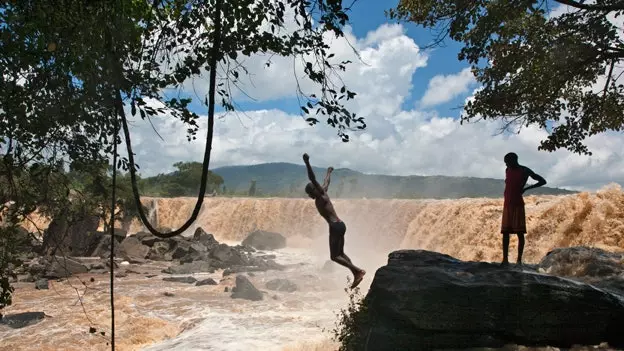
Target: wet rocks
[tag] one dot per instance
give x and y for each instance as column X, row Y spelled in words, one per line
column 591, row 265
column 21, row 320
column 281, row 285
column 186, row 280
column 72, row 239
column 208, row 240
column 42, row 284
column 208, row 281
column 244, row 289
column 103, row 248
column 424, row 300
column 132, row 250
column 59, row 267
column 201, row 253
column 263, row 240
column 190, row 268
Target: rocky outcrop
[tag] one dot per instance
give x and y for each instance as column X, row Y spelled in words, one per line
column 587, row 264
column 21, row 320
column 72, row 239
column 263, row 240
column 424, row 300
column 132, row 250
column 201, row 253
column 244, row 289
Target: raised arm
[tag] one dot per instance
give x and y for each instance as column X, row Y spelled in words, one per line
column 311, row 175
column 327, row 178
column 540, row 180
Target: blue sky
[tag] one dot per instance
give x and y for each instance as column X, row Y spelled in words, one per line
column 410, row 99
column 366, row 16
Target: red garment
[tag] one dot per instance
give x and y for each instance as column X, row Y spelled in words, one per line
column 514, row 220
column 515, row 179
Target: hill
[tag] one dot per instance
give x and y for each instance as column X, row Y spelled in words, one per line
column 288, row 180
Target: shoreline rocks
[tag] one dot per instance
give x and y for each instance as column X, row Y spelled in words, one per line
column 200, row 253
column 423, row 300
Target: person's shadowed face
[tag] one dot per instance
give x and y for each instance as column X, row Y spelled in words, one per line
column 511, row 160
column 310, row 189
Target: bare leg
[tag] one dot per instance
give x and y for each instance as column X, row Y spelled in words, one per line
column 505, row 249
column 520, row 247
column 336, row 246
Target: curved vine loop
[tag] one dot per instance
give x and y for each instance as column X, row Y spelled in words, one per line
column 211, row 105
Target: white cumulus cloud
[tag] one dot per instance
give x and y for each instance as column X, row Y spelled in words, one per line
column 396, row 141
column 443, row 88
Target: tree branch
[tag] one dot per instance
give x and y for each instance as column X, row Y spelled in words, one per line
column 582, row 6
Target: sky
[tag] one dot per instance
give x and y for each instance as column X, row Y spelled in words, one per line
column 411, row 99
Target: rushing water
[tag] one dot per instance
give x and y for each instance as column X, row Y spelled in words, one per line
column 155, row 315
column 206, row 317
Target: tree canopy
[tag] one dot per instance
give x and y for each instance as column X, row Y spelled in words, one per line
column 560, row 73
column 70, row 71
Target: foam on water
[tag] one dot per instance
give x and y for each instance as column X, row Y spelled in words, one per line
column 237, row 325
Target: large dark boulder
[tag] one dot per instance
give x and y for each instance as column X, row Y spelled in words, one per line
column 72, row 239
column 62, row 267
column 263, row 240
column 587, row 264
column 225, row 256
column 21, row 320
column 159, row 251
column 424, row 300
column 208, row 240
column 244, row 289
column 188, row 251
column 147, row 238
column 103, row 248
column 132, row 250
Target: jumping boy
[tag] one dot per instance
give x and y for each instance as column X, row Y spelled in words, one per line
column 337, row 227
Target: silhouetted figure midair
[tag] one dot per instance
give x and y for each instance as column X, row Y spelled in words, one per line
column 514, row 219
column 337, row 227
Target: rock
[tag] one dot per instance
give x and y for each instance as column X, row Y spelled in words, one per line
column 582, row 261
column 103, row 248
column 21, row 320
column 77, row 239
column 189, row 268
column 226, row 289
column 187, row 251
column 62, row 267
column 96, row 265
column 26, row 278
column 159, row 251
column 424, row 300
column 263, row 240
column 208, row 281
column 590, row 265
column 208, row 240
column 226, row 256
column 245, row 290
column 147, row 238
column 168, row 294
column 281, row 285
column 42, row 284
column 120, row 234
column 132, row 250
column 121, row 274
column 187, row 280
